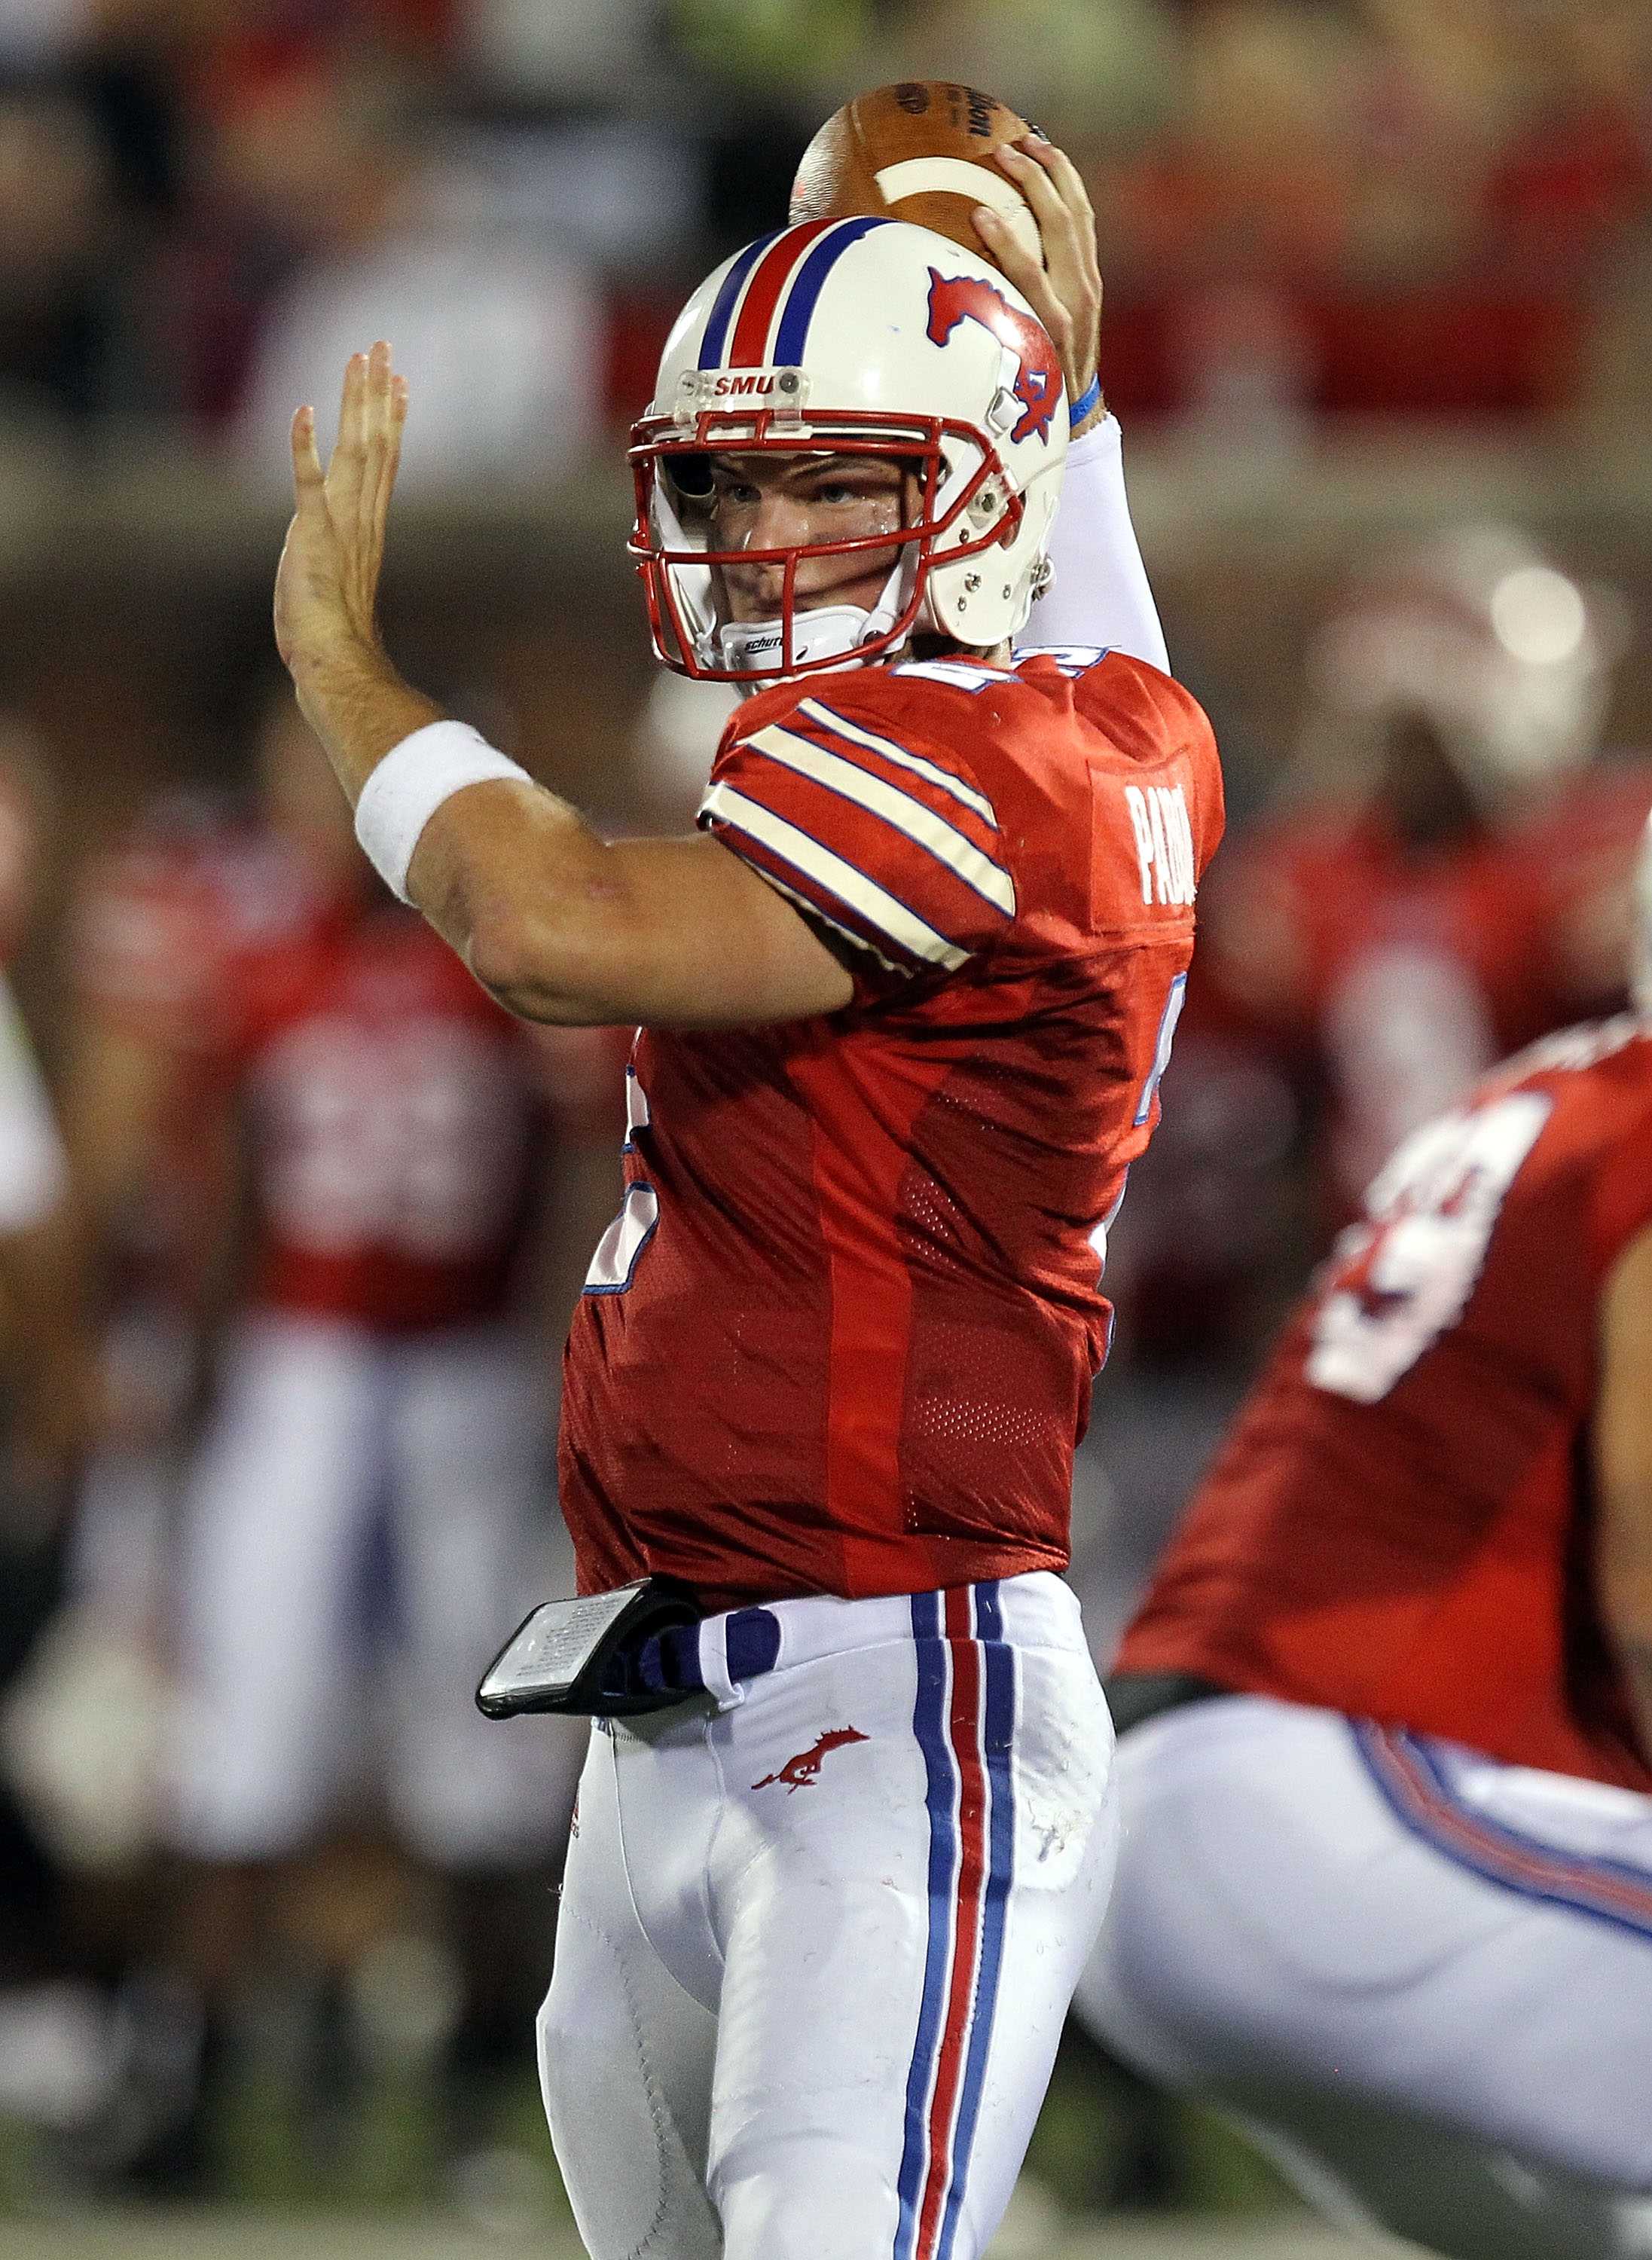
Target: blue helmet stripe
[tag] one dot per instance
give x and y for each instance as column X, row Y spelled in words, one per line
column 793, row 333
column 722, row 313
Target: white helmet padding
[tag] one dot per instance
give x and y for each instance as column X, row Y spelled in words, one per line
column 867, row 337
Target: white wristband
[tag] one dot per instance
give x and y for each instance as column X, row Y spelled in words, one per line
column 411, row 784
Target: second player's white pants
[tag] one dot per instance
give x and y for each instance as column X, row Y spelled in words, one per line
column 1371, row 1944
column 820, row 1927
column 326, row 1437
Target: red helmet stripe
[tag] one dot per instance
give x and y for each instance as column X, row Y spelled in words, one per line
column 764, row 291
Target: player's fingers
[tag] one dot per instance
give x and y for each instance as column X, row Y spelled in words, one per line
column 1069, row 226
column 395, row 419
column 1073, row 275
column 378, row 421
column 1035, row 184
column 1026, row 271
column 349, row 450
column 309, row 482
column 1068, row 242
column 1068, row 180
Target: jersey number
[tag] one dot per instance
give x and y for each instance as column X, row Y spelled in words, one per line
column 620, row 1249
column 1402, row 1275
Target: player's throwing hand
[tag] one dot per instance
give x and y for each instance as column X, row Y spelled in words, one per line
column 328, row 584
column 1064, row 289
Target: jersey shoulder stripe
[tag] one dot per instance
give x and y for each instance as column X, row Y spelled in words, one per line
column 881, row 909
column 919, row 823
column 931, row 772
column 811, row 904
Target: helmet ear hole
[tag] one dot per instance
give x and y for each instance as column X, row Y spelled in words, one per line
column 691, row 476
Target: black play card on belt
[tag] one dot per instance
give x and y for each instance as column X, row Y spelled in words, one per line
column 568, row 1655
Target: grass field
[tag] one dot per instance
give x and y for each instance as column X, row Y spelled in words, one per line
column 166, row 2235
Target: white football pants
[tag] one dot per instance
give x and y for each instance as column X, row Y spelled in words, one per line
column 1421, row 1978
column 820, row 1927
column 323, row 1433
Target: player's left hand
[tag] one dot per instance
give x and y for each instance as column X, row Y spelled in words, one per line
column 326, row 588
column 1064, row 291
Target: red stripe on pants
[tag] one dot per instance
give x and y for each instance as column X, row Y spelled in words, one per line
column 775, row 269
column 965, row 1731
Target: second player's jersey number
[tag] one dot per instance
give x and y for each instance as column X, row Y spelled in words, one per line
column 411, row 1138
column 1403, row 1275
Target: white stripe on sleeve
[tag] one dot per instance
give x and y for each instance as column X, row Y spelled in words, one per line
column 830, row 871
column 942, row 841
column 901, row 758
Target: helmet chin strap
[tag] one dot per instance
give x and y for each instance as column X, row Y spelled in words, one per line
column 832, row 631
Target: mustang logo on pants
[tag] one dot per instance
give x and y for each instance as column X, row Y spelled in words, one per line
column 803, row 1770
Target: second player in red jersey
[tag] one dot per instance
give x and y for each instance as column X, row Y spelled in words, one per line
column 1397, row 1524
column 1386, row 1714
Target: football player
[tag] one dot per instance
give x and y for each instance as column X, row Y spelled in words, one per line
column 374, row 1455
column 1386, row 1765
column 904, row 1001
column 1418, row 909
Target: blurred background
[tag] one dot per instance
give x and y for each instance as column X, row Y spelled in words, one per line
column 290, row 1223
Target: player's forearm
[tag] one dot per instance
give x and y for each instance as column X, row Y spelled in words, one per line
column 565, row 927
column 496, row 883
column 357, row 705
column 520, row 885
column 492, row 889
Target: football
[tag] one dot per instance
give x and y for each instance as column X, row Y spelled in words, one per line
column 921, row 151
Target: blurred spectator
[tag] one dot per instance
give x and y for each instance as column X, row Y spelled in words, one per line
column 58, row 283
column 332, row 214
column 577, row 51
column 371, row 1480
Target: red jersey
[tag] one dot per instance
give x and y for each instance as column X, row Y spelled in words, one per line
column 1400, row 975
column 393, row 1105
column 393, row 1118
column 841, row 1338
column 161, row 930
column 1399, row 1525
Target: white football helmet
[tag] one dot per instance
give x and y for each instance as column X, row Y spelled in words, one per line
column 870, row 337
column 1473, row 629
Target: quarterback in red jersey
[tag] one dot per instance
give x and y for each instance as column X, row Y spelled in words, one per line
column 905, row 999
column 1386, row 1765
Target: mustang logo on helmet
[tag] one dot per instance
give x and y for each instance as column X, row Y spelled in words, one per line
column 965, row 298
